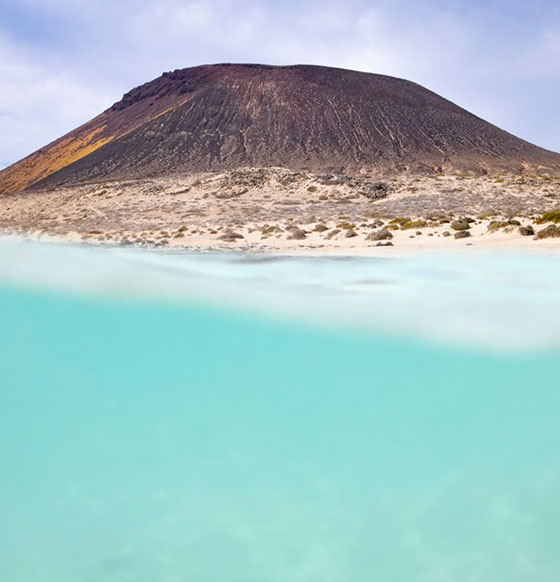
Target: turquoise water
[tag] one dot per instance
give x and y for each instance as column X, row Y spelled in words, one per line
column 229, row 418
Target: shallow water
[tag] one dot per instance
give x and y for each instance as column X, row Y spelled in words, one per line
column 224, row 417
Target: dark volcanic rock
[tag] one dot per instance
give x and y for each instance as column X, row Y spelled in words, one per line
column 230, row 236
column 384, row 234
column 463, row 234
column 319, row 119
column 526, row 231
column 297, row 234
column 376, row 190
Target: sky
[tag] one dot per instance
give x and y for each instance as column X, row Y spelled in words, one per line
column 64, row 61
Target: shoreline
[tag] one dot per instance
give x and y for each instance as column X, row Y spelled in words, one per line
column 367, row 292
column 506, row 245
column 278, row 211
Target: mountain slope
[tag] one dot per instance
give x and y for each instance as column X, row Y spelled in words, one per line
column 219, row 117
column 136, row 108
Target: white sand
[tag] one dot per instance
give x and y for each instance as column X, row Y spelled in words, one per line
column 261, row 205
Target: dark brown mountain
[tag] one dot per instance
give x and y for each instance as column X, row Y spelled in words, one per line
column 218, row 117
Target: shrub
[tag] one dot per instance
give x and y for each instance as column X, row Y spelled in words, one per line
column 414, row 224
column 552, row 216
column 460, row 225
column 345, row 225
column 399, row 221
column 496, row 225
column 551, row 231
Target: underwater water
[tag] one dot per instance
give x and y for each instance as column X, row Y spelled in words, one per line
column 244, row 418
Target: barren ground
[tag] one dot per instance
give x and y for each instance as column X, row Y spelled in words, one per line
column 277, row 210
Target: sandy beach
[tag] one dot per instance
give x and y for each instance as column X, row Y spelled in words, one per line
column 281, row 211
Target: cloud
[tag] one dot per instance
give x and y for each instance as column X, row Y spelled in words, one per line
column 70, row 59
column 39, row 103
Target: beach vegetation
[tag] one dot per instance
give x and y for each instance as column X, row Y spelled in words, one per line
column 345, row 225
column 552, row 216
column 497, row 225
column 399, row 221
column 460, row 225
column 551, row 231
column 320, row 228
column 414, row 224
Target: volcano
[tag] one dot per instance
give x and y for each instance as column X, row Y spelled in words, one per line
column 318, row 119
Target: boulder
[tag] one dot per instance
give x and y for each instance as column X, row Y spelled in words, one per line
column 383, row 234
column 462, row 234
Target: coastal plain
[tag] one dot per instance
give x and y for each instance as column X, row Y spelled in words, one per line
column 281, row 210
